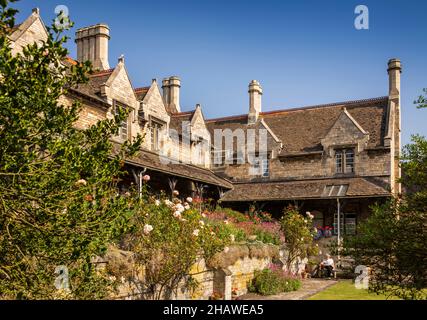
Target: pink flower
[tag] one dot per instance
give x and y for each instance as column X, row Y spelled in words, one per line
column 146, row 178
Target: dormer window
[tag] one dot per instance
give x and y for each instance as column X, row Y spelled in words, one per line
column 124, row 125
column 156, row 127
column 344, row 160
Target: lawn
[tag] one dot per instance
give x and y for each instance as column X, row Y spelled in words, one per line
column 345, row 290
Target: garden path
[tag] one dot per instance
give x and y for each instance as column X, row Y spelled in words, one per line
column 309, row 287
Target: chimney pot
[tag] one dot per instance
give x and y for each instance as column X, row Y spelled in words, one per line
column 394, row 70
column 255, row 94
column 92, row 45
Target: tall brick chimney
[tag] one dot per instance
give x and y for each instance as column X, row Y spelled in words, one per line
column 92, row 45
column 255, row 94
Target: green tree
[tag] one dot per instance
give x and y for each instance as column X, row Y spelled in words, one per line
column 58, row 197
column 393, row 240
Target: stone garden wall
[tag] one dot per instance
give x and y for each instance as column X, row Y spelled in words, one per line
column 230, row 270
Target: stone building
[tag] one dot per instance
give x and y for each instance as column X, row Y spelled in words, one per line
column 337, row 157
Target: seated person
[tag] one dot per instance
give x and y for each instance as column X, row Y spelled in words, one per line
column 328, row 265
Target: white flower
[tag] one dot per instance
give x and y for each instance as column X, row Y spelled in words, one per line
column 147, row 229
column 187, row 206
column 302, row 238
column 177, row 214
column 179, row 207
column 189, row 200
column 168, row 203
column 212, row 233
column 226, row 221
column 305, row 220
column 203, row 215
column 196, row 232
column 146, row 178
column 307, row 213
column 232, row 238
column 175, row 193
column 226, row 249
column 202, row 223
column 157, row 202
column 81, row 182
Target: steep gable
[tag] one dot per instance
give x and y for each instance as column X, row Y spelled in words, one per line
column 153, row 104
column 301, row 129
column 345, row 131
column 31, row 31
column 119, row 87
column 198, row 125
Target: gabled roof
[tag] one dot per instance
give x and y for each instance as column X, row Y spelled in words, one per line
column 18, row 30
column 92, row 89
column 305, row 189
column 241, row 123
column 152, row 161
column 301, row 129
column 141, row 92
column 177, row 120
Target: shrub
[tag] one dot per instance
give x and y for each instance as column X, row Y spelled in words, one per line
column 269, row 282
column 299, row 235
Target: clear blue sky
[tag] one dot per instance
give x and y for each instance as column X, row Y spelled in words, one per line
column 302, row 52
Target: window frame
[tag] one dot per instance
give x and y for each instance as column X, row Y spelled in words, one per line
column 124, row 127
column 156, row 125
column 342, row 157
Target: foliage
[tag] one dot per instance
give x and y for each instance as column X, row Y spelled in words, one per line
column 265, row 229
column 167, row 239
column 59, row 204
column 273, row 281
column 393, row 239
column 299, row 235
column 421, row 102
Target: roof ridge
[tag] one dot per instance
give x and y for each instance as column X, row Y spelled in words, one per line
column 326, row 105
column 142, row 88
column 184, row 113
column 227, row 118
column 102, row 72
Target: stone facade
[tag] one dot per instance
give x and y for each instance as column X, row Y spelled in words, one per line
column 302, row 144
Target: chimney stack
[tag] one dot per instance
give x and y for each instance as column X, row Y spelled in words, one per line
column 255, row 93
column 171, row 87
column 92, row 45
column 394, row 71
column 166, row 91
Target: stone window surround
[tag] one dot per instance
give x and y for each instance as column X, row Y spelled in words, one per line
column 131, row 115
column 155, row 125
column 332, row 149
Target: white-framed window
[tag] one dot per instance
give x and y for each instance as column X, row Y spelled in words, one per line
column 124, row 131
column 344, row 160
column 156, row 128
column 262, row 166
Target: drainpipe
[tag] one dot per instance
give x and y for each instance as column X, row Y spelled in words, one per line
column 138, row 179
column 339, row 230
